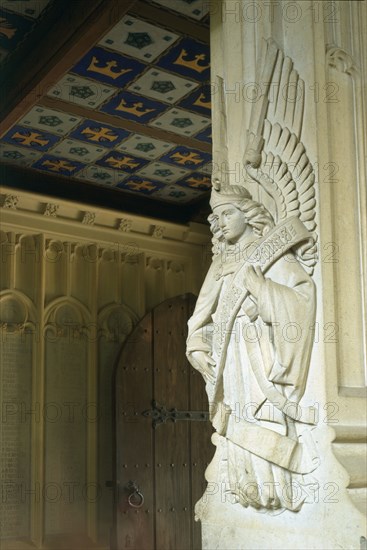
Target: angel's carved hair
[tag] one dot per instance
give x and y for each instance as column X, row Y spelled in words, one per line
column 256, row 215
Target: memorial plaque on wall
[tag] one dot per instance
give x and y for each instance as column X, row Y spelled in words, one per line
column 66, row 414
column 115, row 324
column 15, row 430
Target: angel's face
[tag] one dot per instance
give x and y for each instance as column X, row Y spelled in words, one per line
column 232, row 222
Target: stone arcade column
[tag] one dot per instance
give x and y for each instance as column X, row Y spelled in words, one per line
column 327, row 43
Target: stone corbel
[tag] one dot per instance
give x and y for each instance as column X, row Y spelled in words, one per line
column 339, row 59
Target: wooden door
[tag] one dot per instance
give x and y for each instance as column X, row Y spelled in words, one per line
column 162, row 441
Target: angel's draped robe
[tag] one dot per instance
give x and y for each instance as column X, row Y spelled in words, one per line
column 278, row 327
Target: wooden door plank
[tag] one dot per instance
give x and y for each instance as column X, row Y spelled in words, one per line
column 172, row 458
column 202, row 450
column 134, row 440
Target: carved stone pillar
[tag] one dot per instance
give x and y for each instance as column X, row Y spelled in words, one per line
column 288, row 110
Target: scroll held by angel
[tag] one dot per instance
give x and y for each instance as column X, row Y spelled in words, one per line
column 251, row 333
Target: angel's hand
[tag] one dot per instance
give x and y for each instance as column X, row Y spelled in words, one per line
column 254, row 280
column 204, row 363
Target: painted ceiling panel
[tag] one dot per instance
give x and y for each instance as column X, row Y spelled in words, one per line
column 196, row 9
column 120, row 112
column 138, row 39
column 17, row 19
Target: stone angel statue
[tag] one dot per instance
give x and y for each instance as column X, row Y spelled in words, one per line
column 251, row 333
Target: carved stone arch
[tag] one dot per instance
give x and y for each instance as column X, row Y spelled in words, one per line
column 18, row 366
column 56, row 316
column 17, row 309
column 70, row 414
column 116, row 321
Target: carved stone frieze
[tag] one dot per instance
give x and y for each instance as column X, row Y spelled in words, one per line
column 51, row 209
column 89, row 218
column 125, row 225
column 11, row 202
column 158, row 231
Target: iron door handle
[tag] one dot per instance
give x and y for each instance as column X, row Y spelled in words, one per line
column 136, row 497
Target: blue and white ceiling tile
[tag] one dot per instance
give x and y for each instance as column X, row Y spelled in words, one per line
column 199, row 101
column 137, row 184
column 160, row 171
column 186, row 158
column 57, row 165
column 188, row 58
column 162, row 86
column 20, row 156
column 196, row 180
column 205, row 135
column 49, row 120
column 144, row 146
column 13, row 29
column 138, row 39
column 177, row 194
column 181, row 122
column 108, row 67
column 103, row 134
column 29, row 8
column 81, row 91
column 122, row 161
column 133, row 107
column 29, row 138
column 74, row 149
column 101, row 175
column 195, row 9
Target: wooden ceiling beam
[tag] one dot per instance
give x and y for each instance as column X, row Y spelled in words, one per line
column 80, row 25
column 118, row 122
column 174, row 22
column 102, row 196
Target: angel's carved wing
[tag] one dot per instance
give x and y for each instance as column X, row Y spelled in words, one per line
column 275, row 156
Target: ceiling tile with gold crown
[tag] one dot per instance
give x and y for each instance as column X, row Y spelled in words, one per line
column 138, row 39
column 133, row 107
column 109, row 67
column 188, row 58
column 199, row 101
